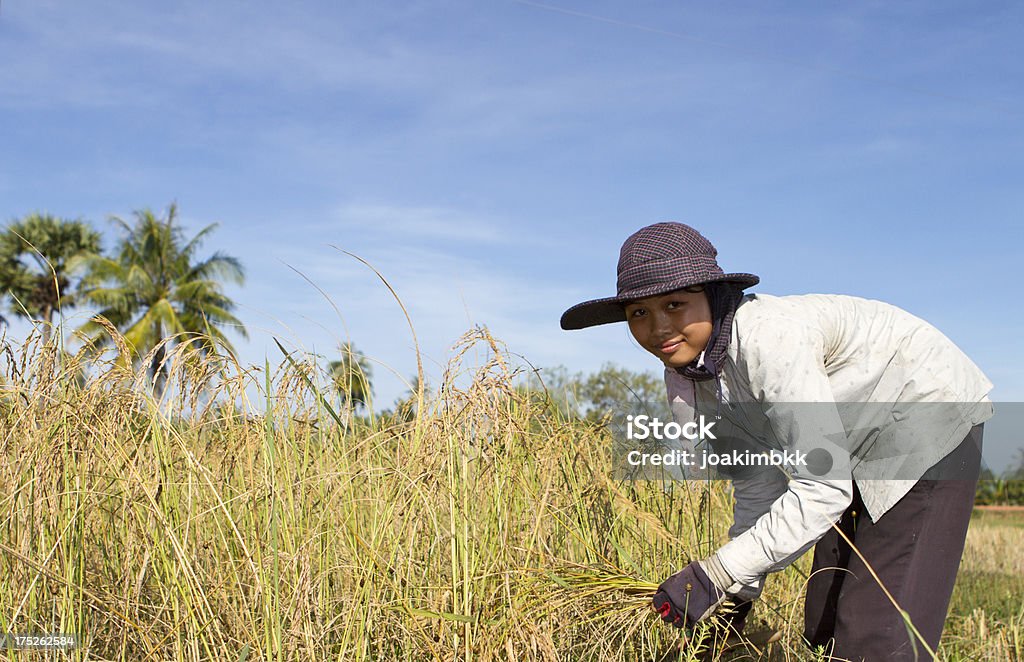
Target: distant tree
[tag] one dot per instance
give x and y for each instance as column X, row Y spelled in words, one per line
column 1017, row 472
column 35, row 264
column 1006, row 488
column 555, row 389
column 615, row 392
column 351, row 376
column 610, row 393
column 155, row 287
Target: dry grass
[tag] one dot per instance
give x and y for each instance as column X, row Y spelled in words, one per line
column 988, row 604
column 208, row 527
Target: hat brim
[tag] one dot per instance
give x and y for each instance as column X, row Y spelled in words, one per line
column 612, row 309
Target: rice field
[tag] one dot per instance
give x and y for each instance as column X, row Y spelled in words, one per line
column 246, row 516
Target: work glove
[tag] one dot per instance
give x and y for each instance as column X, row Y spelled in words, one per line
column 687, row 597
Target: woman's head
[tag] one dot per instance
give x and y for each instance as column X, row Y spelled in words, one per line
column 654, row 261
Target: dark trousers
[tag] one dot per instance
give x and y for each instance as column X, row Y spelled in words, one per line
column 915, row 550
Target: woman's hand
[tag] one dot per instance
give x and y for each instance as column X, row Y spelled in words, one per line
column 687, row 597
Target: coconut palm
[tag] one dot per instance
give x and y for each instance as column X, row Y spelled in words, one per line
column 36, row 254
column 351, row 376
column 157, row 293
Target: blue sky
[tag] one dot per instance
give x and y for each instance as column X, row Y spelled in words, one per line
column 490, row 157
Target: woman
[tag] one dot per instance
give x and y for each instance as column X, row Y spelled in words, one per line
column 883, row 409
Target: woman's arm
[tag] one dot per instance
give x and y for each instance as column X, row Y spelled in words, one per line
column 785, row 364
column 753, row 497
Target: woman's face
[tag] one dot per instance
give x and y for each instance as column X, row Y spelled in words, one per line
column 675, row 327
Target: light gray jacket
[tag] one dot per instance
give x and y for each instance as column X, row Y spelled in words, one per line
column 786, row 351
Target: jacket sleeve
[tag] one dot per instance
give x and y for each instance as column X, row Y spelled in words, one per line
column 753, row 497
column 785, row 363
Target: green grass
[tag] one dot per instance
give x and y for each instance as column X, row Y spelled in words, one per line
column 1013, row 518
column 992, row 576
column 986, row 616
column 1001, row 595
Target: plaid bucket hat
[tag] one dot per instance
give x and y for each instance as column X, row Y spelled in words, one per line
column 657, row 259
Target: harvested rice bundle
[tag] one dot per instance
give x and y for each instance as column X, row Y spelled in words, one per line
column 609, row 593
column 621, row 606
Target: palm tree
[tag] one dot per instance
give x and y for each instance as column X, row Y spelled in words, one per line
column 351, row 376
column 36, row 254
column 153, row 288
